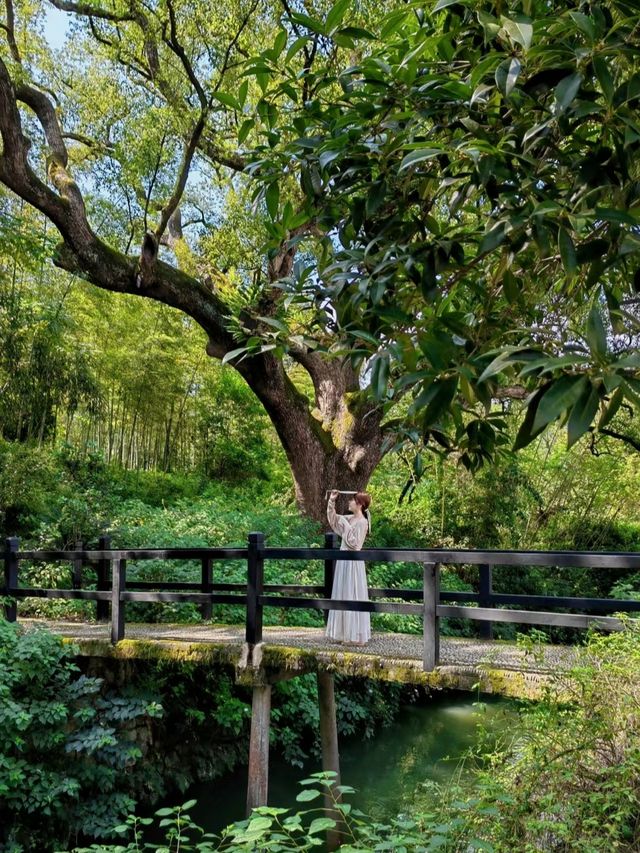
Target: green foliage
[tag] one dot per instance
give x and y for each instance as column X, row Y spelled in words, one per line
column 64, row 747
column 475, row 168
column 568, row 780
column 571, row 780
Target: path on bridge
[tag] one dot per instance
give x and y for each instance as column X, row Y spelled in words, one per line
column 454, row 651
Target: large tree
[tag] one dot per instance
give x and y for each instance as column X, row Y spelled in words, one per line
column 396, row 207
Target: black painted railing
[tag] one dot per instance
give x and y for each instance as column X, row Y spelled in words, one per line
column 113, row 590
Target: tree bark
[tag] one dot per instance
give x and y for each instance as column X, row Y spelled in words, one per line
column 334, row 441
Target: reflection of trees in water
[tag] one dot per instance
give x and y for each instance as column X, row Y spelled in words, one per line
column 425, row 745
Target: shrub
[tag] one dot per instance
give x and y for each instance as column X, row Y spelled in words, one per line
column 62, row 748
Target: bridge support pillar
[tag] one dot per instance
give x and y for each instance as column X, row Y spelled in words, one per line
column 330, row 753
column 258, row 786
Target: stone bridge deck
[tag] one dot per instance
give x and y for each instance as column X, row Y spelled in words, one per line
column 465, row 664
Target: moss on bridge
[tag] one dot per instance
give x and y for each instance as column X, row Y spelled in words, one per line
column 278, row 661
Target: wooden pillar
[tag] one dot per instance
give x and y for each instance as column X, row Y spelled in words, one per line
column 255, row 588
column 12, row 546
column 102, row 580
column 330, row 753
column 76, row 568
column 431, row 622
column 118, row 584
column 331, row 540
column 258, row 784
column 485, row 590
column 206, row 579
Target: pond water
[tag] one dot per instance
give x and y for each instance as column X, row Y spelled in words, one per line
column 425, row 743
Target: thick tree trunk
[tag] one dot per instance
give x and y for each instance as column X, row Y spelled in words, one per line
column 334, row 441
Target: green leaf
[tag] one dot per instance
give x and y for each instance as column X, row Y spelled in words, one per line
column 380, row 376
column 442, row 4
column 612, row 407
column 559, row 396
column 242, row 93
column 228, row 100
column 526, row 433
column 280, row 42
column 376, row 196
column 234, row 353
column 320, row 824
column 307, row 21
column 566, row 90
column 507, row 74
column 595, row 332
column 188, row 805
column 604, row 78
column 584, row 23
column 498, row 364
column 567, row 251
column 308, row 795
column 272, row 199
column 591, row 250
column 613, row 215
column 245, row 129
column 418, row 156
column 520, row 31
column 356, row 33
column 295, row 47
column 493, row 238
column 438, row 397
column 328, row 156
column 582, row 414
column 336, row 15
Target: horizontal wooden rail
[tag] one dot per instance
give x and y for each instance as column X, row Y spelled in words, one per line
column 137, row 554
column 83, row 594
column 190, row 597
column 560, row 559
column 338, row 604
column 529, row 617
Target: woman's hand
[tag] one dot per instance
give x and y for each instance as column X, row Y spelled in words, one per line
column 333, row 495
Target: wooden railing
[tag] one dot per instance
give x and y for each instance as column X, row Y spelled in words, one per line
column 113, row 590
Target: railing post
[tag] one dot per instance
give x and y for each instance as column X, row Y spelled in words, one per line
column 118, row 586
column 102, row 580
column 485, row 590
column 206, row 609
column 12, row 546
column 331, row 540
column 431, row 622
column 76, row 568
column 255, row 587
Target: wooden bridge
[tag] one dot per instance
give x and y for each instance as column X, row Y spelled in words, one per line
column 263, row 655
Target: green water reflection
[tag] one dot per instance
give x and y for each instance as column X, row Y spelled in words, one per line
column 425, row 744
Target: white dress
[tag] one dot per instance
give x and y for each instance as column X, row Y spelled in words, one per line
column 349, row 580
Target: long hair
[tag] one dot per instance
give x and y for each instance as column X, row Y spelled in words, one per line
column 363, row 499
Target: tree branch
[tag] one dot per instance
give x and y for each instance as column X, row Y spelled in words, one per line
column 183, row 174
column 58, row 158
column 213, row 152
column 180, row 52
column 9, row 28
column 88, row 10
column 627, row 439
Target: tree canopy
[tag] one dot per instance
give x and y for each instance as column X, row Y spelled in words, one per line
column 474, row 174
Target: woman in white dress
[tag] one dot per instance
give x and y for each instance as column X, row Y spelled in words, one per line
column 350, row 578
